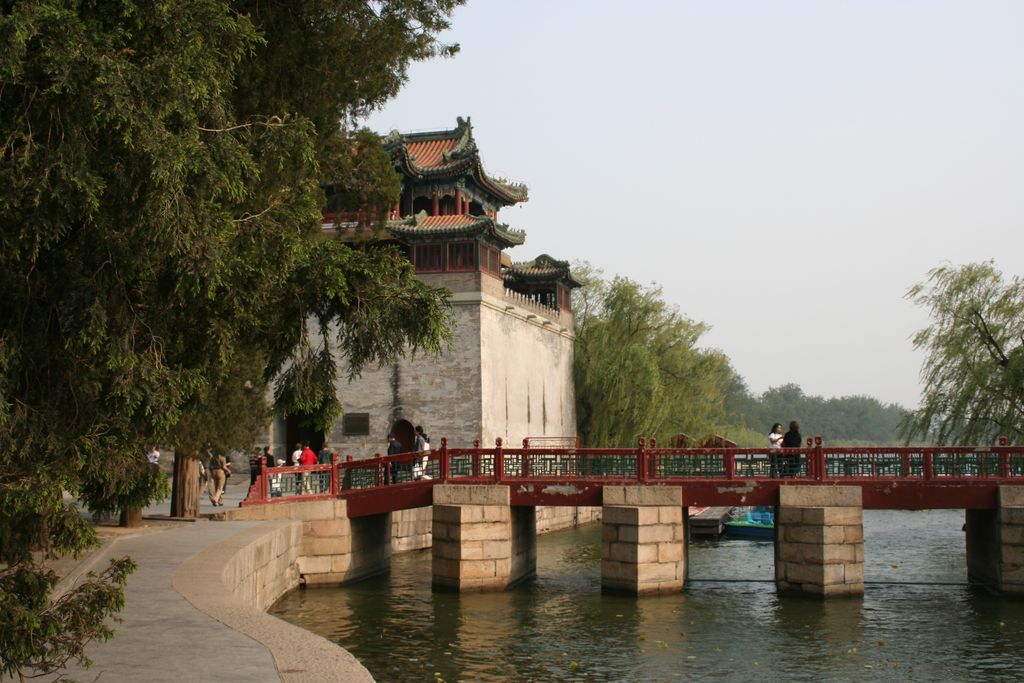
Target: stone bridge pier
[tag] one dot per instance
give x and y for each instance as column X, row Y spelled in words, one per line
column 480, row 541
column 995, row 543
column 819, row 541
column 643, row 539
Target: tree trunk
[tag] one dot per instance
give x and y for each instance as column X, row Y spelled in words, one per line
column 185, row 486
column 131, row 517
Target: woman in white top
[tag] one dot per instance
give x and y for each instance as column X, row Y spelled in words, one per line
column 775, row 441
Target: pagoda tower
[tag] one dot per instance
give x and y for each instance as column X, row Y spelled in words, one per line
column 509, row 371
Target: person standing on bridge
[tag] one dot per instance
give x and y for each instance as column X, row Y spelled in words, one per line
column 774, row 442
column 792, row 439
column 394, row 448
column 421, row 445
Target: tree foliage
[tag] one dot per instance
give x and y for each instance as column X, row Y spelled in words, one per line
column 638, row 370
column 42, row 635
column 160, row 193
column 974, row 370
column 839, row 420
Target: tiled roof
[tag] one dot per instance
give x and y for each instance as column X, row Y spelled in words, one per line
column 446, row 221
column 422, row 226
column 449, row 153
column 542, row 268
column 431, row 152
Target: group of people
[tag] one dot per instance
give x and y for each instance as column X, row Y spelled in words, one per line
column 417, row 469
column 784, row 465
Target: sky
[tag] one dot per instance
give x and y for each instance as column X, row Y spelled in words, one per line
column 785, row 171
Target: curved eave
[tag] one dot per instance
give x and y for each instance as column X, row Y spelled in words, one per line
column 543, row 269
column 470, row 166
column 485, row 227
column 541, row 277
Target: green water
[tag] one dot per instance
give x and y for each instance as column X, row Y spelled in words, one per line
column 729, row 625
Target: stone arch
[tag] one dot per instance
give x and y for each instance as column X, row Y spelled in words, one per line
column 405, row 433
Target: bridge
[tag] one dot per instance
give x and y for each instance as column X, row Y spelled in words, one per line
column 484, row 500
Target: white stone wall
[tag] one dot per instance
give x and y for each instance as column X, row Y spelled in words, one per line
column 527, row 383
column 508, row 375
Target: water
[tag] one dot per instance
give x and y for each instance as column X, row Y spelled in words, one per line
column 729, row 625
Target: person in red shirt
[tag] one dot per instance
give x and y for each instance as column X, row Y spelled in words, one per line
column 308, row 457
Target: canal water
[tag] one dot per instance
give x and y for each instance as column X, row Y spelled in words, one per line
column 918, row 620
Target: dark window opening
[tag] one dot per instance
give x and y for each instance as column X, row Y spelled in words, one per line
column 462, row 256
column 298, row 428
column 448, row 207
column 428, row 258
column 422, row 204
column 476, row 209
column 490, row 260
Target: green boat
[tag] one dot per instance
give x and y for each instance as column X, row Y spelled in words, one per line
column 758, row 524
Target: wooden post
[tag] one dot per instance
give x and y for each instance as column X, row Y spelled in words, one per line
column 499, row 461
column 445, row 467
column 335, row 475
column 641, row 461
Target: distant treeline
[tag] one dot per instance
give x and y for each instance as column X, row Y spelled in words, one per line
column 846, row 420
column 640, row 371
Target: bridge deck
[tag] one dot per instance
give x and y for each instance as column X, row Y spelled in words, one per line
column 890, row 477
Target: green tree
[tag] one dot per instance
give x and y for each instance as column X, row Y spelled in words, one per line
column 160, row 193
column 974, row 370
column 840, row 420
column 638, row 371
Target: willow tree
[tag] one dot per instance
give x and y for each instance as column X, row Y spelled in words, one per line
column 638, row 370
column 160, row 193
column 973, row 374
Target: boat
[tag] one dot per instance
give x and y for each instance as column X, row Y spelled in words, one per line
column 757, row 524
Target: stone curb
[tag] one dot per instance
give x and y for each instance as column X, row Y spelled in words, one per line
column 300, row 656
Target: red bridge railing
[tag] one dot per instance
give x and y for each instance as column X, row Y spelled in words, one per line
column 642, row 464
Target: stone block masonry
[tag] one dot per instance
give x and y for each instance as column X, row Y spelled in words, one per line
column 819, row 541
column 643, row 539
column 995, row 543
column 334, row 549
column 481, row 542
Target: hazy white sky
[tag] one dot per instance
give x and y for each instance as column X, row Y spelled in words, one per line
column 784, row 170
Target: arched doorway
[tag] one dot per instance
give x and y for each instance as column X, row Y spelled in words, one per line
column 296, row 428
column 406, row 435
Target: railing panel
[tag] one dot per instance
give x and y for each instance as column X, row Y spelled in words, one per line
column 642, row 464
column 667, row 463
column 298, row 482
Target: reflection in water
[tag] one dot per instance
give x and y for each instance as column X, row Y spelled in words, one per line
column 729, row 624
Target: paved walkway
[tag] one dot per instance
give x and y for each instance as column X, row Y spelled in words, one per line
column 162, row 637
column 198, row 636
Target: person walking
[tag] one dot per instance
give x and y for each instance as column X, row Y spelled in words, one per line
column 324, row 456
column 255, row 465
column 308, row 482
column 792, row 439
column 421, row 445
column 774, row 442
column 217, row 468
